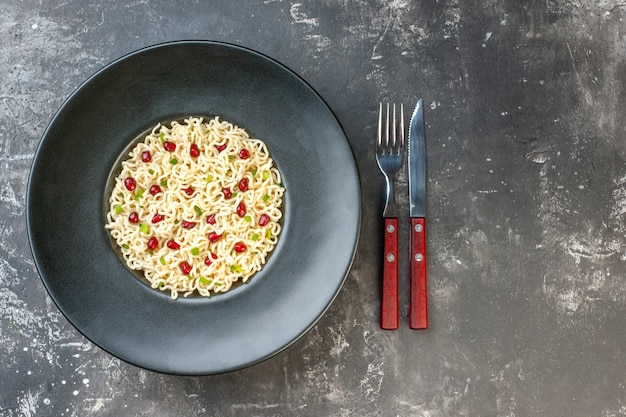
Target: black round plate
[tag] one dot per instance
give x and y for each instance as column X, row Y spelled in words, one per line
column 66, row 211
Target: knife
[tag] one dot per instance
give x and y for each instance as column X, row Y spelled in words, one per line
column 418, row 298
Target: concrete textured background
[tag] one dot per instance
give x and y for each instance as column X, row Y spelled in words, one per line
column 526, row 208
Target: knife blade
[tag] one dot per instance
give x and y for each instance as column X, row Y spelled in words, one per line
column 418, row 298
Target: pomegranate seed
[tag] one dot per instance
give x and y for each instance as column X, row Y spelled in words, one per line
column 220, row 148
column 145, row 156
column 214, row 237
column 227, row 193
column 133, row 217
column 169, row 146
column 194, row 151
column 185, row 267
column 188, row 191
column 155, row 189
column 214, row 256
column 172, row 244
column 240, row 247
column 130, row 183
column 153, row 243
column 188, row 225
column 241, row 209
column 264, row 219
column 243, row 184
column 244, row 154
column 207, row 261
column 157, row 218
column 211, row 219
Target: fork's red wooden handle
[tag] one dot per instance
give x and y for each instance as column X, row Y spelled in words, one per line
column 389, row 301
column 418, row 303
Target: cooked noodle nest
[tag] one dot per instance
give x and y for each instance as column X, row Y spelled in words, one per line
column 210, row 189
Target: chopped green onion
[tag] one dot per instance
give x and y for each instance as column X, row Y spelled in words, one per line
column 218, row 284
column 195, row 251
column 269, row 234
column 205, row 281
column 254, row 171
column 198, row 210
column 266, row 198
column 162, row 260
column 266, row 175
column 164, row 183
column 173, row 161
column 176, row 221
column 278, row 184
column 255, row 237
column 144, row 228
column 125, row 246
column 234, row 194
column 118, row 209
column 234, row 268
column 189, row 277
column 121, row 195
column 160, row 284
column 162, row 137
column 151, row 171
column 248, row 219
column 139, row 194
column 231, row 157
column 209, row 178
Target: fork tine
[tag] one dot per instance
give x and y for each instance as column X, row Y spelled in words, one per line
column 387, row 128
column 401, row 126
column 392, row 139
column 379, row 136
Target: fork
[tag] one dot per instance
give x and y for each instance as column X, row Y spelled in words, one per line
column 389, row 156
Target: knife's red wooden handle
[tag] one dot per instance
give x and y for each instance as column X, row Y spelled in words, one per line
column 389, row 301
column 418, row 303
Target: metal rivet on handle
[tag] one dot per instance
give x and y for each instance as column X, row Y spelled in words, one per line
column 390, row 228
column 390, row 257
column 418, row 228
column 419, row 257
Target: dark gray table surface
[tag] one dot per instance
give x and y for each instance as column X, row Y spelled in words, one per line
column 526, row 208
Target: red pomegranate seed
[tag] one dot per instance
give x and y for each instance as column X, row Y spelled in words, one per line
column 188, row 225
column 214, row 256
column 130, row 183
column 214, row 237
column 157, row 218
column 211, row 219
column 264, row 219
column 220, row 148
column 207, row 261
column 194, row 151
column 169, row 146
column 244, row 154
column 172, row 244
column 185, row 267
column 133, row 217
column 155, row 189
column 153, row 243
column 241, row 209
column 145, row 156
column 227, row 193
column 240, row 247
column 188, row 191
column 243, row 184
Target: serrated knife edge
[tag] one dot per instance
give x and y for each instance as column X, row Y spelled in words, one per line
column 417, row 163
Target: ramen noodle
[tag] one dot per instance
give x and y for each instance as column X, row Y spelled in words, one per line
column 196, row 206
